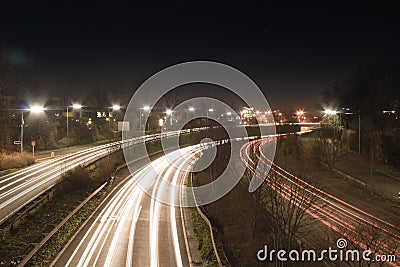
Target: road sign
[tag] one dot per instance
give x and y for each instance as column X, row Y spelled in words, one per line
column 17, row 142
column 33, row 143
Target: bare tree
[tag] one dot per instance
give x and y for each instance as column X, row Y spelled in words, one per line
column 331, row 151
column 287, row 203
column 376, row 240
column 8, row 85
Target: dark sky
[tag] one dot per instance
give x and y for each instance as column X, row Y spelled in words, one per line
column 292, row 51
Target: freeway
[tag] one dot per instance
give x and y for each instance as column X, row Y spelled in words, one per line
column 19, row 188
column 349, row 221
column 133, row 228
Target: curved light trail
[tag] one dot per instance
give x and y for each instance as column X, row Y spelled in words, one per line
column 333, row 212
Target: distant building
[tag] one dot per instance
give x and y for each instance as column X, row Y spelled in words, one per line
column 248, row 116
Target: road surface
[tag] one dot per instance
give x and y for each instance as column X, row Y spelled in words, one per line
column 132, row 228
column 19, row 188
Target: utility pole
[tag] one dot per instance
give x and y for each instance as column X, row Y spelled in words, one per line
column 359, row 134
column 22, row 132
column 67, row 128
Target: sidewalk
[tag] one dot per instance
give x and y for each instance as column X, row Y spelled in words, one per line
column 383, row 178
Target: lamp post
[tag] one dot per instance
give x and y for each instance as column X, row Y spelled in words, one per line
column 169, row 113
column 34, row 109
column 187, row 112
column 74, row 106
column 359, row 134
column 210, row 110
column 145, row 108
column 21, row 143
column 113, row 108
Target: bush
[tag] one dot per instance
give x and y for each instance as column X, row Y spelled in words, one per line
column 15, row 160
column 391, row 149
column 77, row 179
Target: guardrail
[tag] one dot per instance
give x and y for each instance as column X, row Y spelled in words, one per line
column 48, row 236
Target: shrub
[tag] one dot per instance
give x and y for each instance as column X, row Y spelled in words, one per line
column 16, row 160
column 391, row 149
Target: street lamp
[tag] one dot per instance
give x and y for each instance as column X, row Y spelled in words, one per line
column 168, row 112
column 116, row 107
column 210, row 110
column 33, row 109
column 191, row 109
column 330, row 112
column 74, row 106
column 145, row 108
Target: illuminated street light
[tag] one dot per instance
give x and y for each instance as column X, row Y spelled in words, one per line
column 36, row 109
column 74, row 106
column 145, row 108
column 210, row 110
column 33, row 109
column 77, row 106
column 229, row 113
column 169, row 113
column 330, row 112
column 191, row 109
column 116, row 107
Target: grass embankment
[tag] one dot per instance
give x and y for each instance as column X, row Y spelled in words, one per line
column 203, row 237
column 15, row 160
column 232, row 216
column 74, row 187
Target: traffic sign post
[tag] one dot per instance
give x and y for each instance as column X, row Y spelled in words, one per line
column 33, row 143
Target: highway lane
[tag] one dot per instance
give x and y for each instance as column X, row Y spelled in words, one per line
column 19, row 188
column 132, row 228
column 344, row 218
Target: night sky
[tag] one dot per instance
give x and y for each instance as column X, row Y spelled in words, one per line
column 292, row 51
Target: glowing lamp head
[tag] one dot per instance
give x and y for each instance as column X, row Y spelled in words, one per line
column 77, row 106
column 116, row 107
column 330, row 112
column 36, row 109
